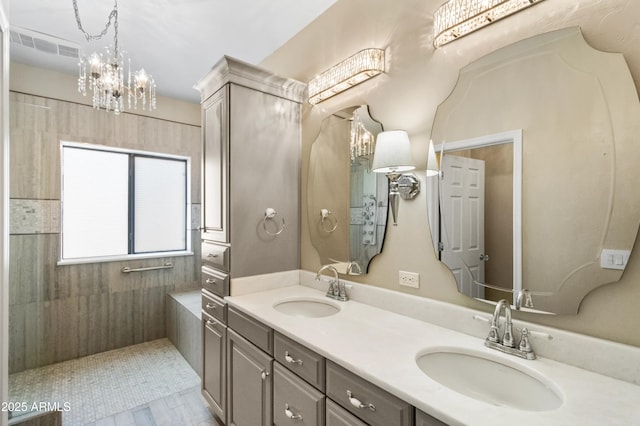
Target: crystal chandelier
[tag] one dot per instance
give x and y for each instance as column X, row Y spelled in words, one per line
column 457, row 18
column 354, row 70
column 104, row 74
column 361, row 142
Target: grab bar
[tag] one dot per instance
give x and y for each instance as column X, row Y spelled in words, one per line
column 126, row 269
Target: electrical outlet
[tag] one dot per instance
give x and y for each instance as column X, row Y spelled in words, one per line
column 409, row 279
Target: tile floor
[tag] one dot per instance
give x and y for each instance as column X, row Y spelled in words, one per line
column 145, row 384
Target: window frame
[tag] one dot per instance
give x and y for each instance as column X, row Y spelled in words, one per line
column 132, row 153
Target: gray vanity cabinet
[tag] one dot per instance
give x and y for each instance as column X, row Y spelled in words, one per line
column 251, row 165
column 295, row 401
column 214, row 343
column 338, row 416
column 368, row 402
column 214, row 367
column 423, row 419
column 249, row 371
column 249, row 383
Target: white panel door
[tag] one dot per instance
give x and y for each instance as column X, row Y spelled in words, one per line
column 463, row 221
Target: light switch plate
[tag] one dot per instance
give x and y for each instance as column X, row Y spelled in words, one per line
column 614, row 259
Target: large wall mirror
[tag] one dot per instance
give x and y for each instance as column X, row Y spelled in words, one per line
column 347, row 202
column 578, row 113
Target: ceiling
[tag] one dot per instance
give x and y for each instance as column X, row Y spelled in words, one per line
column 176, row 41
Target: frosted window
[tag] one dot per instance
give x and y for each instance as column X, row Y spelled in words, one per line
column 160, row 205
column 118, row 203
column 95, row 198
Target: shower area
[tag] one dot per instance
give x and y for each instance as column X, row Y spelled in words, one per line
column 86, row 339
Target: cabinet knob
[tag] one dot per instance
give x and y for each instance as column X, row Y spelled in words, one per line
column 356, row 402
column 264, row 375
column 290, row 359
column 291, row 414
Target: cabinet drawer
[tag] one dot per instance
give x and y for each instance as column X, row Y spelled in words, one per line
column 379, row 408
column 338, row 416
column 215, row 255
column 214, row 306
column 302, row 361
column 251, row 329
column 293, row 397
column 215, row 282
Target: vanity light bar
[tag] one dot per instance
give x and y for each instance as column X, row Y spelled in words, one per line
column 457, row 18
column 354, row 70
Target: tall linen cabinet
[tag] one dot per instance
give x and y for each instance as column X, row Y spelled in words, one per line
column 250, row 196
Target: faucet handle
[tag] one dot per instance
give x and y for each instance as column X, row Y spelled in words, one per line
column 525, row 345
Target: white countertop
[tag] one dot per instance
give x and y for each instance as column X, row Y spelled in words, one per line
column 382, row 346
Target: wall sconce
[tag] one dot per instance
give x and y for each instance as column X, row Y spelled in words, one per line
column 354, row 70
column 457, row 18
column 393, row 157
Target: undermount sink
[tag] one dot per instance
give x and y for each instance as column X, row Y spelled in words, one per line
column 306, row 308
column 489, row 379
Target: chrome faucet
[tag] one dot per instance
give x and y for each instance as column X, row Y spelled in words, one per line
column 506, row 343
column 354, row 269
column 336, row 289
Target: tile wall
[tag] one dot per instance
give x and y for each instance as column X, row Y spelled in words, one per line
column 59, row 313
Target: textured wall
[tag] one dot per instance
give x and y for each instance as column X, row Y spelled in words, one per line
column 64, row 312
column 418, row 78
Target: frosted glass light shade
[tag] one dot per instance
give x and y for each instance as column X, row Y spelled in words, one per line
column 393, row 153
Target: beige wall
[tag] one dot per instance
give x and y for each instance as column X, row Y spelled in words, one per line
column 63, row 312
column 417, row 80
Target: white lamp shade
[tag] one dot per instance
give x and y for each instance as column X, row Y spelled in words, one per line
column 392, row 153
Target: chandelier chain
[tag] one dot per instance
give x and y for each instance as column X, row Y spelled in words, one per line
column 113, row 16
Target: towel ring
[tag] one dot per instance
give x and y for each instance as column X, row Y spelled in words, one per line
column 324, row 213
column 270, row 214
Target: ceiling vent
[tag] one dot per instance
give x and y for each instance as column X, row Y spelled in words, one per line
column 44, row 42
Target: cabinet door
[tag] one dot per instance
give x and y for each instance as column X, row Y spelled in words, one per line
column 215, row 166
column 213, row 369
column 295, row 401
column 249, row 383
column 423, row 419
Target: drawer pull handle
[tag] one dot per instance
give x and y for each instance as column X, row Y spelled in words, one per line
column 264, row 375
column 210, row 306
column 291, row 414
column 356, row 402
column 212, row 255
column 210, row 281
column 211, row 322
column 290, row 359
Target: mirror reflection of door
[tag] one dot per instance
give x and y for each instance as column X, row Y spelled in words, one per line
column 463, row 250
column 476, row 196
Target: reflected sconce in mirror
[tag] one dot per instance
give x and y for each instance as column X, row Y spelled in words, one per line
column 354, row 70
column 457, row 18
column 433, row 169
column 393, row 157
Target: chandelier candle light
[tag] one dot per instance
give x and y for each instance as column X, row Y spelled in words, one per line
column 354, row 70
column 457, row 18
column 104, row 73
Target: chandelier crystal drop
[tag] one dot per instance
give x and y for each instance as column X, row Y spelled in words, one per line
column 104, row 74
column 457, row 18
